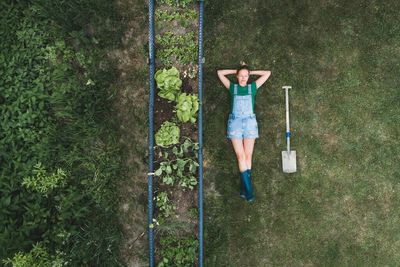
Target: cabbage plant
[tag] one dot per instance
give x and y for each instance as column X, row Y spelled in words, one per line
column 168, row 134
column 168, row 82
column 186, row 107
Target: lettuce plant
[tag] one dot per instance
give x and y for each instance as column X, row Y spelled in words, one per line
column 186, row 107
column 168, row 82
column 168, row 134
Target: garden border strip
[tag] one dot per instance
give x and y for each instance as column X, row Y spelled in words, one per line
column 151, row 133
column 200, row 133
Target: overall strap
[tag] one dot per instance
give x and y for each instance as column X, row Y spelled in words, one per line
column 250, row 94
column 234, row 95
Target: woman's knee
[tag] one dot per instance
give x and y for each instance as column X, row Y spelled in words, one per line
column 241, row 157
column 248, row 157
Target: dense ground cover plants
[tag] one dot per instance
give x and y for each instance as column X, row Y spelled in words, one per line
column 175, row 220
column 59, row 160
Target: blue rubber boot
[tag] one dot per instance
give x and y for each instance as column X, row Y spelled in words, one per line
column 248, row 188
column 242, row 191
column 251, row 187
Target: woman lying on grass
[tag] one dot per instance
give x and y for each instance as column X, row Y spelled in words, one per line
column 242, row 123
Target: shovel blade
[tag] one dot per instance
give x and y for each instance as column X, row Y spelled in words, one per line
column 289, row 161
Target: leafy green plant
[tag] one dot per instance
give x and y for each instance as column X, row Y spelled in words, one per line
column 176, row 48
column 189, row 180
column 168, row 134
column 182, row 168
column 178, row 251
column 168, row 82
column 166, row 169
column 186, row 107
column 164, row 205
column 42, row 182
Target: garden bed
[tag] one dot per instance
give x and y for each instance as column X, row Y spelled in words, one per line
column 175, row 115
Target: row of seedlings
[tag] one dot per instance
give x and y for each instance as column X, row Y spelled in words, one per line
column 176, row 105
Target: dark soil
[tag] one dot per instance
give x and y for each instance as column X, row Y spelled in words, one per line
column 163, row 111
column 189, row 130
column 189, row 85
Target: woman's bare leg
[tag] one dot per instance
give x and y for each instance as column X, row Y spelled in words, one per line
column 238, row 146
column 248, row 146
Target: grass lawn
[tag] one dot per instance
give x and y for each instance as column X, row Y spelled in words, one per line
column 342, row 207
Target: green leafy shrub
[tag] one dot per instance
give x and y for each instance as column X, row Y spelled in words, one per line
column 168, row 82
column 168, row 134
column 186, row 107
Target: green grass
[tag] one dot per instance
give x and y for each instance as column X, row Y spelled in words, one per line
column 342, row 206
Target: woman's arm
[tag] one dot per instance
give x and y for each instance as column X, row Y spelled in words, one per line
column 223, row 79
column 264, row 75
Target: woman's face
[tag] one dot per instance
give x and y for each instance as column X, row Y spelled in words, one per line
column 243, row 77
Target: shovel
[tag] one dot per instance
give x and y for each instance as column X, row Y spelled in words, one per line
column 288, row 157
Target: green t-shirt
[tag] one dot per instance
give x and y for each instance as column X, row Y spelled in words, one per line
column 243, row 91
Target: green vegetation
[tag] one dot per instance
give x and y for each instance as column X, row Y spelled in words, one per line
column 42, row 182
column 38, row 256
column 168, row 134
column 180, row 165
column 60, row 161
column 342, row 207
column 187, row 106
column 168, row 82
column 176, row 48
column 178, row 252
column 164, row 205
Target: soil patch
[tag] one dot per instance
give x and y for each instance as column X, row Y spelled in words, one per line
column 131, row 105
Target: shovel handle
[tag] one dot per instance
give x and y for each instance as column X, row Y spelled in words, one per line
column 288, row 134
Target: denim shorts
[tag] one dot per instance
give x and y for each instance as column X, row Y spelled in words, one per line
column 240, row 127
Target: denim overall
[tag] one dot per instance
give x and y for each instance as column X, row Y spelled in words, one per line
column 242, row 121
